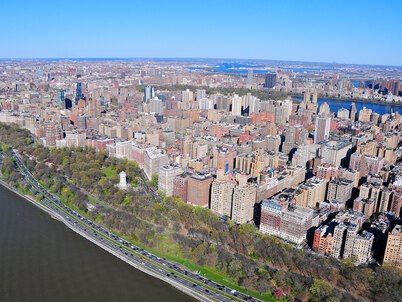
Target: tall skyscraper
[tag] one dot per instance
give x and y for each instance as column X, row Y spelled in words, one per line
column 60, row 97
column 149, row 93
column 353, row 112
column 270, row 80
column 322, row 127
column 78, row 92
column 249, row 78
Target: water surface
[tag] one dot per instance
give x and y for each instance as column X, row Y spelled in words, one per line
column 43, row 260
column 336, row 104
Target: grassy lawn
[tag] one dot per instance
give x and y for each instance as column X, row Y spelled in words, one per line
column 110, row 172
column 126, row 201
column 165, row 248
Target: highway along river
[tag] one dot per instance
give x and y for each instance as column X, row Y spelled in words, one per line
column 43, row 260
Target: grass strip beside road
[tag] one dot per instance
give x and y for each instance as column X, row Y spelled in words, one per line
column 204, row 271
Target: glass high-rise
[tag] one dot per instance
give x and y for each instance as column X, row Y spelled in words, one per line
column 270, row 80
column 78, row 92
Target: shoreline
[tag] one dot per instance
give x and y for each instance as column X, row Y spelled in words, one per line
column 58, row 217
column 299, row 98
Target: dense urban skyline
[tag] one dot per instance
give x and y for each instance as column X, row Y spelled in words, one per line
column 289, row 159
column 299, row 31
column 233, row 150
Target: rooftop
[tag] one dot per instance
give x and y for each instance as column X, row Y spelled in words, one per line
column 365, row 236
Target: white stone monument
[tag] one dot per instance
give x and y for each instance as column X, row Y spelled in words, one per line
column 123, row 180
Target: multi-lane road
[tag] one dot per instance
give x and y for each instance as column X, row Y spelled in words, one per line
column 191, row 282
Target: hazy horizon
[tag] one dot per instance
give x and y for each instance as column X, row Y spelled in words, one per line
column 184, row 59
column 345, row 32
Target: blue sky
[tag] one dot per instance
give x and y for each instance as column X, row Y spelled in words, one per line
column 353, row 31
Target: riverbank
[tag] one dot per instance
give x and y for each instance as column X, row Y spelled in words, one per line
column 337, row 104
column 300, row 97
column 122, row 257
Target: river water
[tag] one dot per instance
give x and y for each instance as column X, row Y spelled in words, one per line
column 43, row 260
column 336, row 104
